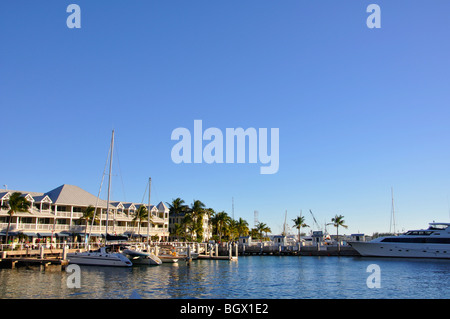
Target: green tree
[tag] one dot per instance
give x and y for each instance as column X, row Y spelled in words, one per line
column 88, row 215
column 177, row 207
column 179, row 230
column 261, row 227
column 220, row 222
column 242, row 227
column 16, row 203
column 299, row 222
column 338, row 221
column 139, row 215
column 196, row 212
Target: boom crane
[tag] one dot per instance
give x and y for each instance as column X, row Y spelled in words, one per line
column 315, row 221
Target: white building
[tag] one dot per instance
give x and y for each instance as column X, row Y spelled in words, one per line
column 58, row 212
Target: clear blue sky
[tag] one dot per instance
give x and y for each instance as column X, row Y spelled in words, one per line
column 359, row 110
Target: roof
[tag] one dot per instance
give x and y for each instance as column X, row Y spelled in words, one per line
column 161, row 207
column 74, row 195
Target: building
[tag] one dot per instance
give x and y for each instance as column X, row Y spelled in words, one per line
column 58, row 213
column 178, row 219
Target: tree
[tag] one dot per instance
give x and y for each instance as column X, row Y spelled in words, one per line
column 195, row 213
column 261, row 227
column 337, row 221
column 88, row 215
column 179, row 230
column 139, row 215
column 177, row 207
column 242, row 227
column 299, row 222
column 220, row 222
column 16, row 203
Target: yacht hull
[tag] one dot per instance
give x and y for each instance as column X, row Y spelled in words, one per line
column 405, row 250
column 97, row 259
column 141, row 258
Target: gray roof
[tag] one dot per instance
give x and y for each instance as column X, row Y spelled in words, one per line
column 162, row 207
column 74, row 195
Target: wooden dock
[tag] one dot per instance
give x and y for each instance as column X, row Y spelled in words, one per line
column 13, row 262
column 43, row 258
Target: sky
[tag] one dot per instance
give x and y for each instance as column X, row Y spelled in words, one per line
column 360, row 111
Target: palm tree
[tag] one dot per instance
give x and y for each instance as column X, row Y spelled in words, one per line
column 261, row 227
column 254, row 233
column 88, row 215
column 337, row 221
column 179, row 231
column 299, row 222
column 196, row 212
column 242, row 227
column 177, row 207
column 17, row 203
column 220, row 222
column 139, row 215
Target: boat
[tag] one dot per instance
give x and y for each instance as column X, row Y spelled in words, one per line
column 104, row 256
column 168, row 258
column 140, row 257
column 433, row 242
column 168, row 254
column 101, row 257
column 184, row 254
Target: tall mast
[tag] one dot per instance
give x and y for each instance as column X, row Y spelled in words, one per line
column 393, row 209
column 232, row 207
column 109, row 183
column 148, row 212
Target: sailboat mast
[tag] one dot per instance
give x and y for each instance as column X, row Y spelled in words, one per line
column 148, row 212
column 284, row 226
column 109, row 184
column 393, row 209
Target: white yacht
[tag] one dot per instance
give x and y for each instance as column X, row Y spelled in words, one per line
column 102, row 257
column 433, row 242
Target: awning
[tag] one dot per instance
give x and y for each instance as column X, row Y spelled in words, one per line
column 11, row 233
column 116, row 237
column 30, row 234
column 62, row 235
column 44, row 235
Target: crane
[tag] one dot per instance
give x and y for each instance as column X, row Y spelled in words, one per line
column 315, row 221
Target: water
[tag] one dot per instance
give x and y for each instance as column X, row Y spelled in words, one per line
column 252, row 277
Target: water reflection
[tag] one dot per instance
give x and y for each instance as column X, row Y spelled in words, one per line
column 250, row 277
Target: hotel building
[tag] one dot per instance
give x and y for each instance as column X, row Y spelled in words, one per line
column 58, row 213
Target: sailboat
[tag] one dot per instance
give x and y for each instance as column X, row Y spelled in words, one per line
column 105, row 256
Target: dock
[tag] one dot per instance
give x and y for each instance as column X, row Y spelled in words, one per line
column 44, row 258
column 266, row 249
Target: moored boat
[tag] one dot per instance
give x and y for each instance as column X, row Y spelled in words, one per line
column 433, row 242
column 139, row 257
column 100, row 257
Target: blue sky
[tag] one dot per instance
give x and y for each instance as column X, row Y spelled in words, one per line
column 359, row 110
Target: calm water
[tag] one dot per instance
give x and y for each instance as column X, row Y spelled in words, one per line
column 251, row 277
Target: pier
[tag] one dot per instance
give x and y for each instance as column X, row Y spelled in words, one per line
column 232, row 250
column 41, row 257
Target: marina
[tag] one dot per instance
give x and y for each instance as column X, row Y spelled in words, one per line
column 252, row 277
